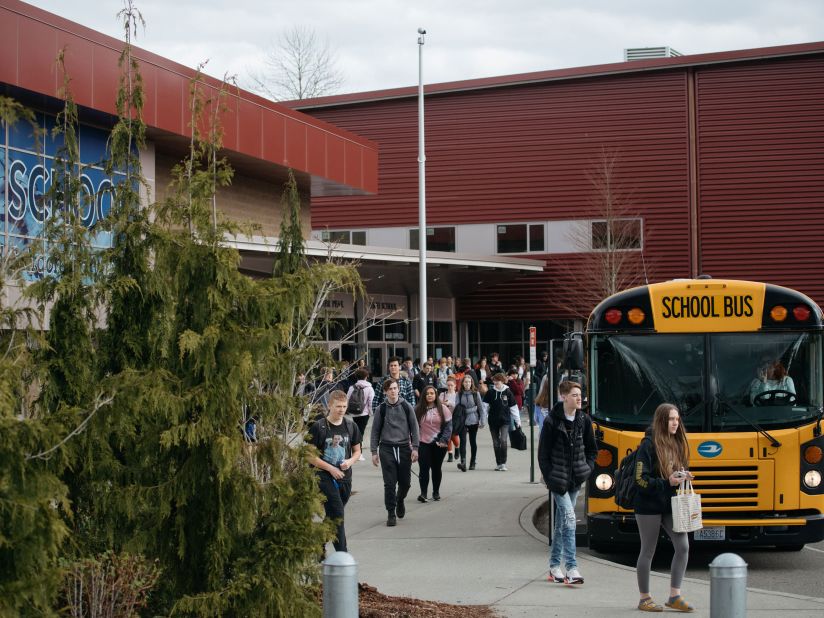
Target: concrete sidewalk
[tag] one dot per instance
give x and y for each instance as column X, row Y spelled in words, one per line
column 478, row 546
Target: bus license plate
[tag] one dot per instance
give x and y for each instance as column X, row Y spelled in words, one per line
column 711, row 533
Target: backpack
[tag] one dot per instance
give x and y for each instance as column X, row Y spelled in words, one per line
column 625, row 485
column 357, row 400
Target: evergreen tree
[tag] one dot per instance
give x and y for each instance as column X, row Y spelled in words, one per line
column 32, row 497
column 134, row 402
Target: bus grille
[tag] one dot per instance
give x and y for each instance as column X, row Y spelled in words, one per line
column 726, row 487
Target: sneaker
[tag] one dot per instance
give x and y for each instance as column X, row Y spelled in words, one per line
column 391, row 520
column 422, row 499
column 449, row 458
column 462, row 467
column 472, row 466
column 436, row 496
column 361, row 458
column 498, row 468
column 573, row 576
column 556, row 575
column 400, row 509
column 503, row 468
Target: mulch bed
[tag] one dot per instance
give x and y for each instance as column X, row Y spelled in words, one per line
column 373, row 604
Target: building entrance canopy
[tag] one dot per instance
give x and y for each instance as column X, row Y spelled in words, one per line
column 387, row 270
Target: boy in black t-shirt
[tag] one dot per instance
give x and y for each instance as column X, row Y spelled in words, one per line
column 338, row 441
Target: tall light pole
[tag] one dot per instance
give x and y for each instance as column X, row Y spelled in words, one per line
column 421, row 205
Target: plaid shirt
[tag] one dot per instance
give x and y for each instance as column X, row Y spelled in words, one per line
column 406, row 391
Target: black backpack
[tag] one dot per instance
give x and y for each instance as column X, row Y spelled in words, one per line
column 356, row 401
column 625, row 485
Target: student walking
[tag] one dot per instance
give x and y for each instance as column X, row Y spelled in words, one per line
column 338, row 441
column 503, row 414
column 405, row 385
column 566, row 456
column 394, row 442
column 435, row 423
column 662, row 464
column 474, row 417
column 359, row 398
column 449, row 398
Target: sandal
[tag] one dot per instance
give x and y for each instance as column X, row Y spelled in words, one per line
column 648, row 605
column 680, row 604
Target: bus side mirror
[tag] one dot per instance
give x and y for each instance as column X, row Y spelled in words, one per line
column 574, row 354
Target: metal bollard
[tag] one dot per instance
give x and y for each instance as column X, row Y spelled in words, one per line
column 728, row 587
column 340, row 586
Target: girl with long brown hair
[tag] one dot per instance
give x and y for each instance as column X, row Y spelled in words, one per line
column 662, row 464
column 435, row 423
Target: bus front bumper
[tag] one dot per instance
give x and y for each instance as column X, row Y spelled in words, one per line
column 607, row 531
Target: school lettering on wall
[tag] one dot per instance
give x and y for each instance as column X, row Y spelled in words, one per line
column 26, row 177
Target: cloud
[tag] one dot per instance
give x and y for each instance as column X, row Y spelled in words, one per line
column 376, row 39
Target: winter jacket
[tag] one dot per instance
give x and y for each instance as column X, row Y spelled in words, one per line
column 394, row 424
column 471, row 402
column 502, row 407
column 422, row 380
column 566, row 460
column 654, row 492
column 516, row 385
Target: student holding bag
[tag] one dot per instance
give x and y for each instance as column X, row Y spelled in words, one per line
column 662, row 464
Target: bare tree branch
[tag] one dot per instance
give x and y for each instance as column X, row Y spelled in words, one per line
column 608, row 253
column 300, row 65
column 99, row 402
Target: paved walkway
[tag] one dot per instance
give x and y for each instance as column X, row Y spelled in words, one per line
column 478, row 546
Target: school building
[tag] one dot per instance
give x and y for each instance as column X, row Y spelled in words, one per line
column 714, row 164
column 703, row 164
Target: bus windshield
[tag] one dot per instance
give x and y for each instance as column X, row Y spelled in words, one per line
column 720, row 382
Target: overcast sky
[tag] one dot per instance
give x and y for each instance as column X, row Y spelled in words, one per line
column 376, row 40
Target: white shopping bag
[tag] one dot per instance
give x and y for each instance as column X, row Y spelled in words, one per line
column 686, row 509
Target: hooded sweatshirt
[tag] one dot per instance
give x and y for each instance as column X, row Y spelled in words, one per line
column 502, row 406
column 394, row 424
column 368, row 394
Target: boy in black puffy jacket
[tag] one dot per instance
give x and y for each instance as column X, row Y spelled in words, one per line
column 566, row 456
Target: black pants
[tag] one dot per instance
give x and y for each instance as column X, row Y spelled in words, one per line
column 472, row 432
column 396, row 466
column 499, row 444
column 430, row 460
column 360, row 423
column 337, row 494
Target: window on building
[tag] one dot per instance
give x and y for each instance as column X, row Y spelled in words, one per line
column 395, row 330
column 616, row 234
column 520, row 237
column 437, row 239
column 344, row 237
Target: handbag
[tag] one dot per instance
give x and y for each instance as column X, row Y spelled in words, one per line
column 517, row 439
column 686, row 509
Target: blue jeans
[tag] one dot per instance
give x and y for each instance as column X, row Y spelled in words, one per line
column 563, row 540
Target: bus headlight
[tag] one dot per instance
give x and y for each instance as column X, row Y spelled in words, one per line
column 604, row 482
column 812, row 479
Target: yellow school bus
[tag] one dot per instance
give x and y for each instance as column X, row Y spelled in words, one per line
column 743, row 363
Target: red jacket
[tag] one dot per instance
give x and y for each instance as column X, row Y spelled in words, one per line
column 516, row 385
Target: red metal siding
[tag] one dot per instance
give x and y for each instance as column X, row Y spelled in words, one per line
column 30, row 39
column 761, row 172
column 525, row 153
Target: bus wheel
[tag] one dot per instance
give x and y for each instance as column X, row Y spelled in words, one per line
column 798, row 547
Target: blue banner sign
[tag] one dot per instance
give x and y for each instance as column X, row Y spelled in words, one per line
column 26, row 176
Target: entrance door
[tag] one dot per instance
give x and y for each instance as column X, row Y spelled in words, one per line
column 376, row 360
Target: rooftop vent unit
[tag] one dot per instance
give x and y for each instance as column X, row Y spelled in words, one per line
column 647, row 53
